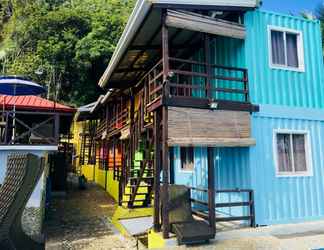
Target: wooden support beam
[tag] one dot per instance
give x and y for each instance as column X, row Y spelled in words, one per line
column 205, row 24
column 157, row 170
column 142, row 52
column 211, row 189
column 171, row 157
column 208, row 67
column 165, row 147
column 128, row 70
column 57, row 128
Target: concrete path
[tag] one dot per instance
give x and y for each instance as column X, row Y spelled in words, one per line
column 81, row 220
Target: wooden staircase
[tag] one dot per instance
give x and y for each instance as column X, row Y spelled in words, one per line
column 138, row 191
column 84, row 148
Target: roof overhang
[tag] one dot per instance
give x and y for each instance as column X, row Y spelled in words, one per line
column 145, row 18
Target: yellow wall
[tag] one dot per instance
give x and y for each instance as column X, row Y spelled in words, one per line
column 112, row 185
column 91, row 172
column 88, row 172
column 100, row 177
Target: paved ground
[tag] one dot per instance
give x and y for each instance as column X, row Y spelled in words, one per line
column 81, row 220
column 303, row 236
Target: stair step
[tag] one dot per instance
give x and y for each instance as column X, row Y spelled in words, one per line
column 136, row 194
column 132, row 186
column 141, row 178
column 140, row 200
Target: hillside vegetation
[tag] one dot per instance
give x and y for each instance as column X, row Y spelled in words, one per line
column 63, row 44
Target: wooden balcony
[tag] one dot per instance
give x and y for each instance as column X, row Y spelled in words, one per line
column 117, row 122
column 195, row 84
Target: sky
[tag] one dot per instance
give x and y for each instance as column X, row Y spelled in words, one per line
column 291, row 6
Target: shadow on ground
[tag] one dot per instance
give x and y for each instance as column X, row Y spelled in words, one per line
column 82, row 220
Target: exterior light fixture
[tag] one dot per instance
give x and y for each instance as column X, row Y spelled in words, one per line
column 213, row 104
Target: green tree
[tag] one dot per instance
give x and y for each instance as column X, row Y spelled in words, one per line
column 320, row 16
column 64, row 44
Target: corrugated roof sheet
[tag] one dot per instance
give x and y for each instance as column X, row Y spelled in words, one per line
column 33, row 103
column 136, row 23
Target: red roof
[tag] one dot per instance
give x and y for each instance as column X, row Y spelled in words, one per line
column 33, row 103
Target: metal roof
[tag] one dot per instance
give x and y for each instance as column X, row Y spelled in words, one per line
column 32, row 103
column 143, row 28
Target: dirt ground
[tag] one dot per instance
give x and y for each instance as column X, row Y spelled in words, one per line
column 81, row 220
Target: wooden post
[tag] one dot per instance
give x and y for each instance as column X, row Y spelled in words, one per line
column 211, row 189
column 208, row 66
column 57, row 128
column 171, row 153
column 165, row 148
column 132, row 131
column 105, row 155
column 123, row 173
column 252, row 210
column 157, row 170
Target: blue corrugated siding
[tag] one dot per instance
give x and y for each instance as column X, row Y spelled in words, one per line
column 232, row 171
column 230, row 52
column 283, row 87
column 286, row 199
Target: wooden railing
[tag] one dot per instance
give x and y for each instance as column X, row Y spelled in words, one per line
column 153, row 84
column 249, row 203
column 118, row 122
column 191, row 79
column 45, row 129
column 102, row 127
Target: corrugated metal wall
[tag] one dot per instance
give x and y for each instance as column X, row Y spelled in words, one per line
column 286, row 199
column 228, row 51
column 232, row 171
column 283, row 87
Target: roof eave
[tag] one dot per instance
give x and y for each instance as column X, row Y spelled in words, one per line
column 139, row 13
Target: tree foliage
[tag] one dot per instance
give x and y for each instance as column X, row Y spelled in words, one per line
column 64, row 44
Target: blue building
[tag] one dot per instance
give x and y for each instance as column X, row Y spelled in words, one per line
column 231, row 97
column 285, row 167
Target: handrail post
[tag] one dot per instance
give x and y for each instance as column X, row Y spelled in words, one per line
column 211, row 189
column 252, row 209
column 208, row 66
column 246, row 85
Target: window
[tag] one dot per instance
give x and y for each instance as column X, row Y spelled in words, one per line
column 187, row 158
column 292, row 153
column 286, row 49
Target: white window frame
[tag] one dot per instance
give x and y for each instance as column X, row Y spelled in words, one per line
column 300, row 49
column 308, row 152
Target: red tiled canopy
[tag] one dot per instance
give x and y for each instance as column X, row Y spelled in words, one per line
column 31, row 103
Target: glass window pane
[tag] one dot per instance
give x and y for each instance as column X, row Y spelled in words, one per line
column 278, row 48
column 299, row 153
column 284, row 153
column 292, row 50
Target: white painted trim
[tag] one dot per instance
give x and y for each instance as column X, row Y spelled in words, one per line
column 28, row 148
column 300, row 49
column 308, row 152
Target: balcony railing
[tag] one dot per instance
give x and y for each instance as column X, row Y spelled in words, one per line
column 118, row 122
column 192, row 83
column 29, row 128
